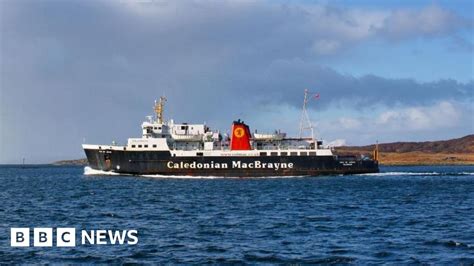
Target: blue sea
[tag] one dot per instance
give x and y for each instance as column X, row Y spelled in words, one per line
column 403, row 215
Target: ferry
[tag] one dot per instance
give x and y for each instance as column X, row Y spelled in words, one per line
column 184, row 149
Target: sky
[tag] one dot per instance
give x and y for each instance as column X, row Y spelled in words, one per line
column 74, row 72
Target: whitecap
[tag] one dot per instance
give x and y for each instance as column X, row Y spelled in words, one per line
column 417, row 174
column 400, row 173
column 89, row 171
column 183, row 176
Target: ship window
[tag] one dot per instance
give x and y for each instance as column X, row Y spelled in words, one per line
column 199, row 153
column 283, row 153
column 139, row 146
column 159, row 127
column 183, row 127
column 154, row 145
column 312, row 153
column 303, row 153
column 133, row 146
column 263, row 154
column 146, row 146
column 274, row 153
column 293, row 153
column 155, row 128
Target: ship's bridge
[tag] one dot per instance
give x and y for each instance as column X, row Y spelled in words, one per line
column 178, row 132
column 151, row 129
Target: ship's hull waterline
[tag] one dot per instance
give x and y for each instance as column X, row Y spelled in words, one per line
column 163, row 163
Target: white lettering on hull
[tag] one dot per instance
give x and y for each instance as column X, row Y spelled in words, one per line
column 234, row 164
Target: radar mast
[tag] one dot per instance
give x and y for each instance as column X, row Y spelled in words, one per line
column 159, row 108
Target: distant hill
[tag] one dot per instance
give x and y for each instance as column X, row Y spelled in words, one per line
column 71, row 162
column 454, row 151
column 460, row 145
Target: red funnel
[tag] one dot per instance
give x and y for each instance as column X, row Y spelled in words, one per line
column 240, row 139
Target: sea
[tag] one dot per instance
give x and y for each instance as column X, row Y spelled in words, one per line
column 403, row 215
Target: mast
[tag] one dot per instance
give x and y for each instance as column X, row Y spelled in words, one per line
column 159, row 108
column 305, row 123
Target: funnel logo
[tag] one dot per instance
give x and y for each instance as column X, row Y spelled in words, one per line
column 66, row 237
column 239, row 132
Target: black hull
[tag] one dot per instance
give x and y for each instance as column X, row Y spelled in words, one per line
column 162, row 163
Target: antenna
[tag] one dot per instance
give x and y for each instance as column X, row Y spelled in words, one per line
column 305, row 123
column 159, row 108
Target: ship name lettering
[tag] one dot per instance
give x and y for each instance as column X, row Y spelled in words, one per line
column 235, row 164
column 259, row 164
column 196, row 165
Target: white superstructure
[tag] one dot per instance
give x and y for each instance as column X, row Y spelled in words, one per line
column 184, row 139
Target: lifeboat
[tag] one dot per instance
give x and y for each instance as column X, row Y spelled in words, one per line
column 274, row 136
column 187, row 137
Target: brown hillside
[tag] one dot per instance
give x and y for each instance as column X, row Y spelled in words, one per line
column 460, row 145
column 455, row 152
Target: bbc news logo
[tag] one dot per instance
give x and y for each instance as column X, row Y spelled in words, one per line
column 66, row 237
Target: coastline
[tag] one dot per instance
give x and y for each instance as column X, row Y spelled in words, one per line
column 459, row 151
column 416, row 158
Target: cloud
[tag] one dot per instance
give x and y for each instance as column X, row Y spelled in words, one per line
column 326, row 47
column 349, row 123
column 430, row 21
column 441, row 115
column 311, row 28
column 284, row 81
column 450, row 119
column 111, row 49
column 337, row 143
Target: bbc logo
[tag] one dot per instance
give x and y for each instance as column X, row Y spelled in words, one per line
column 66, row 237
column 43, row 237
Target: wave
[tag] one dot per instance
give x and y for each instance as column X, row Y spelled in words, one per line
column 419, row 174
column 183, row 176
column 89, row 171
column 450, row 243
column 216, row 177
